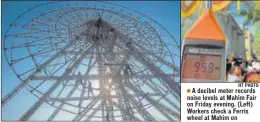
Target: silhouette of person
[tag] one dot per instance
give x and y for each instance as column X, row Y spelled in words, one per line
column 90, row 88
column 80, row 79
column 127, row 71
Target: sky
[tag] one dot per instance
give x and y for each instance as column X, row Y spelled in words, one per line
column 166, row 13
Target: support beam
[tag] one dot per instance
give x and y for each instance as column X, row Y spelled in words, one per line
column 96, row 77
column 101, row 73
column 175, row 68
column 124, row 105
column 62, row 104
column 139, row 106
column 18, row 88
column 86, row 109
column 112, row 111
column 161, row 93
column 157, row 72
column 65, row 99
column 37, row 105
column 107, row 53
column 118, row 106
column 94, row 112
column 162, row 108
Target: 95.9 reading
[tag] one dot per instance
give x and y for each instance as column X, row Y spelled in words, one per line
column 204, row 67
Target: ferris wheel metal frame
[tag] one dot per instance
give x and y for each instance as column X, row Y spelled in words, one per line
column 130, row 51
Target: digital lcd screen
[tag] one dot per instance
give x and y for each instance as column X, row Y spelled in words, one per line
column 201, row 67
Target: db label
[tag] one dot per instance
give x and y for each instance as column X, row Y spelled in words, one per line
column 193, row 50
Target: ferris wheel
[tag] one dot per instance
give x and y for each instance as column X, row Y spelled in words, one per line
column 94, row 60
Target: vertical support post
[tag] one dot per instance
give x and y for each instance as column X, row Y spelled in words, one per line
column 208, row 4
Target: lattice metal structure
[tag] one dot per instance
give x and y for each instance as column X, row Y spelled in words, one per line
column 96, row 61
